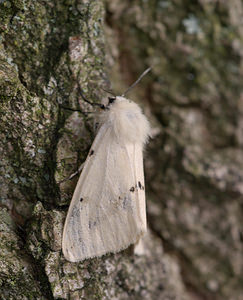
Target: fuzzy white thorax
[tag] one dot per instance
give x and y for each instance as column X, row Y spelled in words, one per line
column 127, row 121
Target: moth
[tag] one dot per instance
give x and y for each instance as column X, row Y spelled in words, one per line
column 108, row 211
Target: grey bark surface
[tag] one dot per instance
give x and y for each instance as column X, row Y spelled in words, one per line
column 194, row 163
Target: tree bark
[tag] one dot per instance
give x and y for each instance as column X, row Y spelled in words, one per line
column 194, row 179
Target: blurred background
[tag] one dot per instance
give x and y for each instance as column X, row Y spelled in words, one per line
column 194, row 163
column 193, row 98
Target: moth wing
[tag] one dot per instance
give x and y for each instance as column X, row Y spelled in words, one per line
column 107, row 211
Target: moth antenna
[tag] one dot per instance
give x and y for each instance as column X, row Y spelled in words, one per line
column 86, row 100
column 137, row 81
column 74, row 109
column 109, row 92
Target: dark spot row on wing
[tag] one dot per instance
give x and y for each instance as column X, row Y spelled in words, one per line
column 140, row 186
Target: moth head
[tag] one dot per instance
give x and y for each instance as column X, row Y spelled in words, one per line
column 114, row 101
column 111, row 100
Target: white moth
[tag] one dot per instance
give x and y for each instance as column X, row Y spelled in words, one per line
column 107, row 212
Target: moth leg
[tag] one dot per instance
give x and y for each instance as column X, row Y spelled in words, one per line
column 81, row 168
column 139, row 247
column 74, row 174
column 75, row 109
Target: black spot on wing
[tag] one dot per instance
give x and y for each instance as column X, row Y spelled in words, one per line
column 81, row 199
column 132, row 189
column 140, row 185
column 91, row 153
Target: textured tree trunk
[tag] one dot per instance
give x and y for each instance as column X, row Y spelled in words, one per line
column 194, row 163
